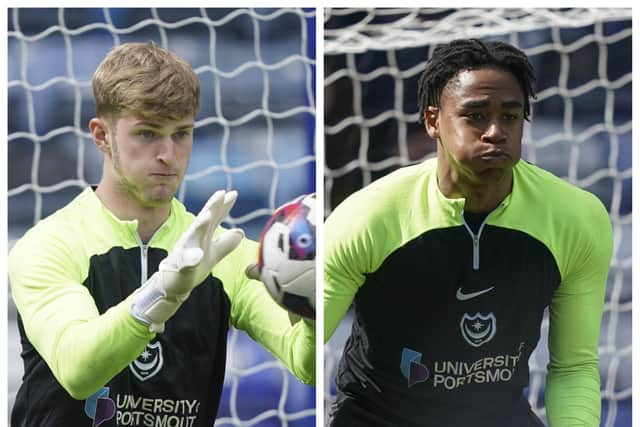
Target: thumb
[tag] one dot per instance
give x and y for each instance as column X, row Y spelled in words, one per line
column 252, row 271
column 188, row 257
column 224, row 244
column 182, row 258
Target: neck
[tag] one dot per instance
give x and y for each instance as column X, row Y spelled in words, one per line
column 126, row 208
column 479, row 197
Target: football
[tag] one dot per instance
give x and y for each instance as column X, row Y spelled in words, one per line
column 286, row 259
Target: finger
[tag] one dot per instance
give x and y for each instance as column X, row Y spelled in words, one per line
column 195, row 235
column 221, row 208
column 230, row 197
column 252, row 272
column 224, row 244
column 215, row 198
column 219, row 211
column 206, row 221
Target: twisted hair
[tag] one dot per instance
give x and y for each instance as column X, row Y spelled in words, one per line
column 470, row 54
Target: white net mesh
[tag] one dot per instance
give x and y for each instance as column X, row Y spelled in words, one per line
column 254, row 134
column 580, row 130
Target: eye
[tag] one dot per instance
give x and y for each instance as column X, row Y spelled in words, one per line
column 146, row 134
column 474, row 116
column 182, row 134
column 510, row 116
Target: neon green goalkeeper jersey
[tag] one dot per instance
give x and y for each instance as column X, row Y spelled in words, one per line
column 448, row 314
column 88, row 362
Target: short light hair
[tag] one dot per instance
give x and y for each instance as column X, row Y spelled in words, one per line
column 146, row 81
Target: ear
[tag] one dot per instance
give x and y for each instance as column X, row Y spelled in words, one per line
column 99, row 129
column 432, row 122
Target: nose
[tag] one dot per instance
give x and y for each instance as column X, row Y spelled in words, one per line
column 494, row 134
column 166, row 150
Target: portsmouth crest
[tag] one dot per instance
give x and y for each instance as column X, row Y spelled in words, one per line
column 478, row 329
column 149, row 363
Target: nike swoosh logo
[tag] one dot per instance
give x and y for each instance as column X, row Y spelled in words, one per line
column 460, row 296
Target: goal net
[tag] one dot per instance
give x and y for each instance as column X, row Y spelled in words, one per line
column 254, row 134
column 580, row 130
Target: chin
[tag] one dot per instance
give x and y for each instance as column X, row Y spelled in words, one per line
column 491, row 175
column 158, row 198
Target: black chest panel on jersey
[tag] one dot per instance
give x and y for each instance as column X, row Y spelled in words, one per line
column 428, row 328
column 178, row 379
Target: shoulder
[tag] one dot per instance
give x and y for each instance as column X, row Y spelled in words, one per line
column 384, row 198
column 64, row 221
column 572, row 222
column 561, row 200
column 56, row 239
column 373, row 222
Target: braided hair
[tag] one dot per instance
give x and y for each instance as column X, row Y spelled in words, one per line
column 469, row 54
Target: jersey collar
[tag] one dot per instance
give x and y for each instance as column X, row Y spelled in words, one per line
column 454, row 207
column 127, row 229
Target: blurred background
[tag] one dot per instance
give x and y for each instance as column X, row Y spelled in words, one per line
column 580, row 130
column 254, row 134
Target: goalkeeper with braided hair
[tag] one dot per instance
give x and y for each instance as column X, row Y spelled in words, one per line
column 451, row 264
column 124, row 297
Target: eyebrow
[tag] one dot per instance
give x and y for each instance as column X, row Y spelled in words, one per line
column 158, row 126
column 485, row 102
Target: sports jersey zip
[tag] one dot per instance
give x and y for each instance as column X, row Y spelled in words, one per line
column 144, row 252
column 476, row 237
column 144, row 270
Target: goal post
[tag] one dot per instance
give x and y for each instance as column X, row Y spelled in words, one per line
column 580, row 130
column 254, row 134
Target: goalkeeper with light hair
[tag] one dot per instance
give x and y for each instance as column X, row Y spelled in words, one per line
column 451, row 264
column 124, row 297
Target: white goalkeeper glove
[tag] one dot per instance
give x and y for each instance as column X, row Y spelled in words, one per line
column 188, row 264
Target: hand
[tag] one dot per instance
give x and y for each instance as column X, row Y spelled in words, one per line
column 189, row 263
column 252, row 271
column 294, row 318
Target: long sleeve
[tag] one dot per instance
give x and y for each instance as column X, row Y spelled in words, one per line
column 358, row 240
column 83, row 349
column 344, row 267
column 573, row 380
column 254, row 311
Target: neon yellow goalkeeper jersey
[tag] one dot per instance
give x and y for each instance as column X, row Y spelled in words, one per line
column 88, row 362
column 447, row 315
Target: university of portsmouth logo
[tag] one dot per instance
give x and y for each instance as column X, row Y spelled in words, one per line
column 148, row 363
column 412, row 368
column 478, row 329
column 99, row 407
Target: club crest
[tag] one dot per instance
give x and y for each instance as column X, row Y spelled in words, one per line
column 478, row 329
column 149, row 363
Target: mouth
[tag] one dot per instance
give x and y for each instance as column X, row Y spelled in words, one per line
column 163, row 175
column 494, row 155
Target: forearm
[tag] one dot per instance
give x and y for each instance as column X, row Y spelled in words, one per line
column 303, row 354
column 573, row 382
column 572, row 396
column 339, row 292
column 270, row 325
column 88, row 353
column 83, row 348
